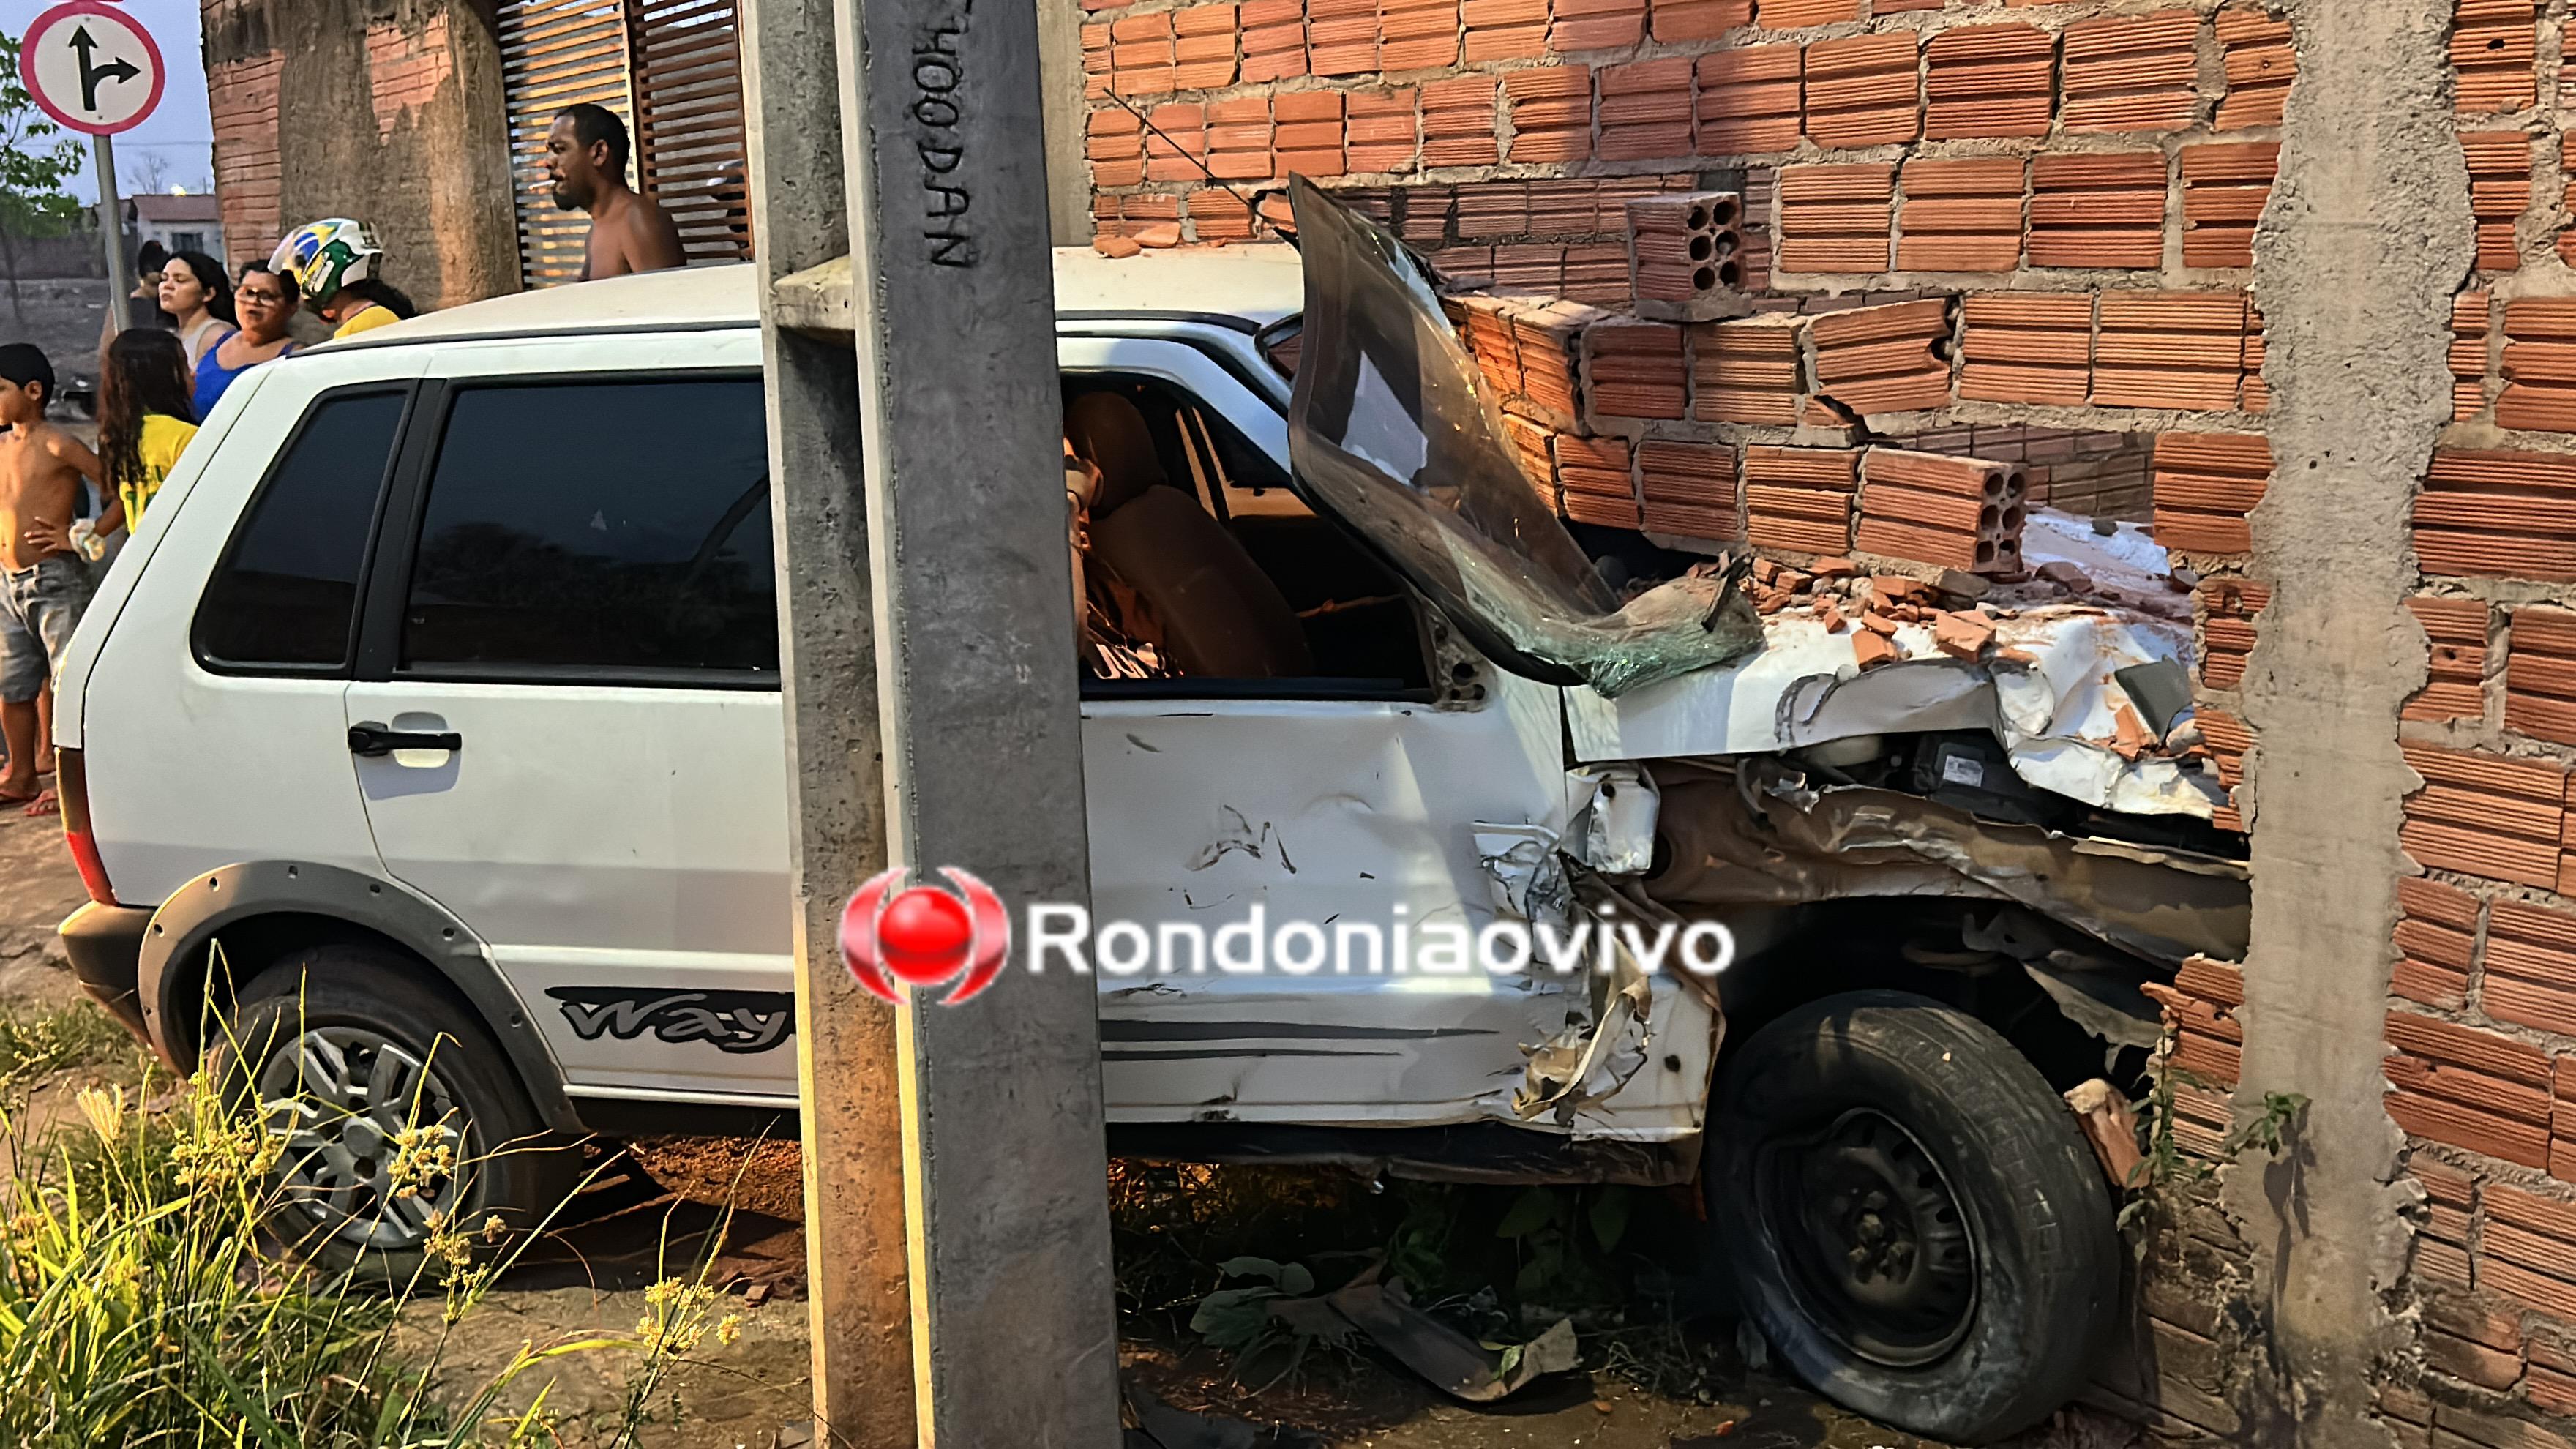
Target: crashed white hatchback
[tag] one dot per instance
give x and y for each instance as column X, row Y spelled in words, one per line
column 501, row 776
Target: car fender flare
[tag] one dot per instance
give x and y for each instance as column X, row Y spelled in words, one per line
column 194, row 914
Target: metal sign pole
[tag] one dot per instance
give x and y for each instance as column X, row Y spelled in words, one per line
column 111, row 229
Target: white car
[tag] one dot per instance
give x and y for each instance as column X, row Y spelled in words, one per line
column 423, row 756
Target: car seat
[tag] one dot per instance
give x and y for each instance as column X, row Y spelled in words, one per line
column 1212, row 611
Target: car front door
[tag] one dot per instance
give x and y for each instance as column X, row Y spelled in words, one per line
column 566, row 721
column 1343, row 804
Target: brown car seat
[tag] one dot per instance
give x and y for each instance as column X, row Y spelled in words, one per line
column 1211, row 609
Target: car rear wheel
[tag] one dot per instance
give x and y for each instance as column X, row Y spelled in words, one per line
column 392, row 1110
column 1913, row 1218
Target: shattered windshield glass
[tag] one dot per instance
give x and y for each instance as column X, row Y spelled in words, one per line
column 1392, row 427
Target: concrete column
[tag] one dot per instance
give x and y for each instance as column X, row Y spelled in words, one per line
column 2366, row 236
column 1060, row 73
column 858, row 1309
column 955, row 624
column 953, row 302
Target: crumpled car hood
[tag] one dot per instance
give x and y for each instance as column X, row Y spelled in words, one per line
column 1392, row 428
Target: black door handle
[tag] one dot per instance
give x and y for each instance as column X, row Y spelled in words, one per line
column 370, row 738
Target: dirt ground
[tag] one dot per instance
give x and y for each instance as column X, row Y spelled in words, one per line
column 629, row 1230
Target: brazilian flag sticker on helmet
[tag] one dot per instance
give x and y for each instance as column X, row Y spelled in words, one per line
column 326, row 256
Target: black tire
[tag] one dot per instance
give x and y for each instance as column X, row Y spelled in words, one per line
column 1913, row 1218
column 360, row 1010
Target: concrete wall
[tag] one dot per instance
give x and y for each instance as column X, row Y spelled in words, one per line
column 2307, row 267
column 386, row 110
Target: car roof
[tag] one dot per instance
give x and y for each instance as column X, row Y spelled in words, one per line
column 1258, row 284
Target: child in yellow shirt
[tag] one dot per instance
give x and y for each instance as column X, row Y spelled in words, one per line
column 144, row 423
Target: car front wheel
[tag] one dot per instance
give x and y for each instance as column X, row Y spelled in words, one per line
column 1913, row 1218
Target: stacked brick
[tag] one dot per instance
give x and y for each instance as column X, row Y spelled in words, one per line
column 1962, row 513
column 1800, row 498
column 2206, row 486
column 1684, row 252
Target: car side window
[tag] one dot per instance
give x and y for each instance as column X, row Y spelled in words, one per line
column 285, row 597
column 597, row 530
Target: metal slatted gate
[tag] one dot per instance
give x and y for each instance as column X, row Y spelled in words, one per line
column 671, row 69
column 690, row 149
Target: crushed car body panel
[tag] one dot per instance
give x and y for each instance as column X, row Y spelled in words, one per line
column 2048, row 693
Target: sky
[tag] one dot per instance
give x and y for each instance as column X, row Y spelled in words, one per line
column 178, row 136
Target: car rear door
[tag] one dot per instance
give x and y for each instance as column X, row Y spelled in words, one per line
column 566, row 723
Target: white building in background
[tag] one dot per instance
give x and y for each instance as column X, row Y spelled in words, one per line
column 189, row 223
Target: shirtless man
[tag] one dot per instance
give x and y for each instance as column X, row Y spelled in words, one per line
column 586, row 161
column 43, row 585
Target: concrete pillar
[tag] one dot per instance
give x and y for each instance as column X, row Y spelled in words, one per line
column 2366, row 236
column 858, row 1309
column 1060, row 73
column 953, row 302
column 925, row 591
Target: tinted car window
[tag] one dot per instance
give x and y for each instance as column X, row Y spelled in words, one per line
column 286, row 593
column 618, row 527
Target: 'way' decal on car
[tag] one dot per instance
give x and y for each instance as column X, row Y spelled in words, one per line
column 734, row 1021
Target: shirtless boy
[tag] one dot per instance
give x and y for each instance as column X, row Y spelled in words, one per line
column 43, row 585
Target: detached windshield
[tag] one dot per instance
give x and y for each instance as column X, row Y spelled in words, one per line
column 1392, row 427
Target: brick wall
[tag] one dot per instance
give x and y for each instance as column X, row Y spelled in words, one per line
column 431, row 173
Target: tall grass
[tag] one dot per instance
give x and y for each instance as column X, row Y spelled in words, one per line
column 142, row 1301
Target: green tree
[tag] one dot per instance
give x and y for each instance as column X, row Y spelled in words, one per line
column 36, row 158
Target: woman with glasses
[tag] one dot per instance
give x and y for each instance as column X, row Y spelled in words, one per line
column 264, row 303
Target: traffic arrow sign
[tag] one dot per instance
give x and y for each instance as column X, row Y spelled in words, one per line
column 92, row 67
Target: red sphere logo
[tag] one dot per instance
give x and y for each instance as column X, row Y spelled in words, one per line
column 924, row 936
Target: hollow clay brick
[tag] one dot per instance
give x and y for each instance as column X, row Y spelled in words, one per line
column 1960, row 215
column 1748, row 371
column 2497, row 513
column 1635, row 370
column 1682, row 21
column 2205, row 486
column 1551, row 113
column 2131, row 73
column 2485, row 816
column 2224, row 188
column 2170, row 350
column 2539, row 365
column 1379, row 130
column 1749, row 100
column 1797, row 14
column 2540, row 675
column 1893, row 358
column 1689, row 489
column 2260, row 66
column 1596, row 25
column 2026, row 347
column 1836, row 218
column 1800, row 498
column 2494, row 55
column 1646, row 110
column 1862, row 91
column 1988, row 80
column 2098, row 210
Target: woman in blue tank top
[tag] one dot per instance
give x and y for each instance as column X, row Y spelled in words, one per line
column 265, row 302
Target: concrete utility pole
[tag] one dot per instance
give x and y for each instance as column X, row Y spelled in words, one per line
column 914, row 427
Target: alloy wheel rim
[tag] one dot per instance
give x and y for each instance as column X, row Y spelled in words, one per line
column 372, row 1139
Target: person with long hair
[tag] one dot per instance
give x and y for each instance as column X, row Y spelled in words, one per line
column 144, row 424
column 266, row 301
column 199, row 301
